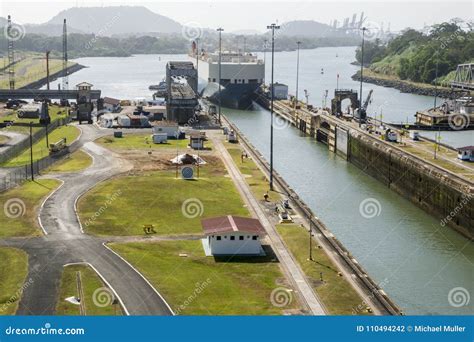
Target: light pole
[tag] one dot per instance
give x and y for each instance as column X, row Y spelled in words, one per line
column 220, row 29
column 197, row 57
column 361, row 74
column 297, row 68
column 264, row 58
column 436, row 77
column 272, row 27
column 31, row 151
column 310, row 238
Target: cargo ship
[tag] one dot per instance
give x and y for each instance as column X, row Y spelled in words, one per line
column 241, row 75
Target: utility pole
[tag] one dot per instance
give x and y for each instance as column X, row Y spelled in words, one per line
column 264, row 58
column 47, row 138
column 65, row 58
column 197, row 57
column 220, row 29
column 11, row 54
column 436, row 79
column 47, row 69
column 31, row 151
column 297, row 67
column 361, row 74
column 310, row 238
column 272, row 27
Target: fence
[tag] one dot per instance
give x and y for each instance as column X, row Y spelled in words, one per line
column 16, row 149
column 16, row 175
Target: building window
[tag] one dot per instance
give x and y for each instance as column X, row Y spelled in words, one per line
column 218, row 237
column 254, row 237
column 232, row 237
column 241, row 237
column 248, row 236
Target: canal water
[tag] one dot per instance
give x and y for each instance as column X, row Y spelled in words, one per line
column 424, row 267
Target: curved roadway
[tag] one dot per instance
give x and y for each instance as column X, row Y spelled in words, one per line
column 65, row 243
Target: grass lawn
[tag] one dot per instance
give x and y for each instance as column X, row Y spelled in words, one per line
column 428, row 154
column 3, row 139
column 55, row 113
column 30, row 69
column 19, row 207
column 40, row 149
column 255, row 179
column 337, row 294
column 13, row 271
column 98, row 299
column 76, row 161
column 122, row 206
column 200, row 285
column 139, row 141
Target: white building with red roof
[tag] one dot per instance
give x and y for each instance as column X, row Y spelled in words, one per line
column 232, row 235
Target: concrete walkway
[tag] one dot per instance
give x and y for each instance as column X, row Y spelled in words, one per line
column 292, row 269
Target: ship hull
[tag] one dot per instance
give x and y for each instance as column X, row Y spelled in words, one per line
column 236, row 96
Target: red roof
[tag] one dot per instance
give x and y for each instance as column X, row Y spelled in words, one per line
column 231, row 224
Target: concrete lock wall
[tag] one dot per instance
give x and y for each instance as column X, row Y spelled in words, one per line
column 342, row 142
column 442, row 195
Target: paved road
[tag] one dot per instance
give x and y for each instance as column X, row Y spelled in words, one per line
column 65, row 243
column 289, row 264
column 13, row 139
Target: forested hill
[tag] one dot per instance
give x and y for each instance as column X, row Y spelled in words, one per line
column 90, row 45
column 413, row 55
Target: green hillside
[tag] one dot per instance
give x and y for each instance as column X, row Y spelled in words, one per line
column 414, row 55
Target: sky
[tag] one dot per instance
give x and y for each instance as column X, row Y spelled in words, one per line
column 255, row 15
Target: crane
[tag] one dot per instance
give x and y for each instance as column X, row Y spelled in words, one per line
column 367, row 100
column 11, row 54
column 65, row 73
column 361, row 113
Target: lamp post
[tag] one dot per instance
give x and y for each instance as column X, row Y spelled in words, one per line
column 197, row 57
column 297, row 68
column 31, row 151
column 310, row 238
column 272, row 27
column 264, row 58
column 220, row 29
column 436, row 78
column 361, row 74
